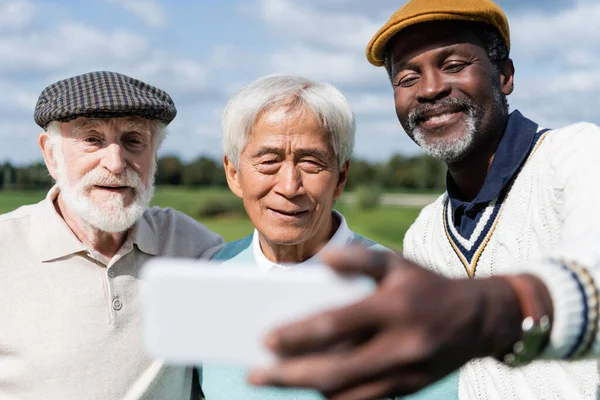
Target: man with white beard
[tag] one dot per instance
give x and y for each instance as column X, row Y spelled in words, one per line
column 70, row 320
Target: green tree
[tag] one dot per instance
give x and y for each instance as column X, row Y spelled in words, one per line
column 361, row 172
column 204, row 171
column 432, row 173
column 169, row 171
column 2, row 166
column 8, row 176
column 399, row 172
column 34, row 176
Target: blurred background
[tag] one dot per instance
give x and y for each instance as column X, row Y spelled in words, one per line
column 202, row 51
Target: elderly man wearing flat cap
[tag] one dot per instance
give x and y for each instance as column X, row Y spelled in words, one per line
column 502, row 272
column 70, row 315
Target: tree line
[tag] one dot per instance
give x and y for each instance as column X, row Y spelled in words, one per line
column 398, row 172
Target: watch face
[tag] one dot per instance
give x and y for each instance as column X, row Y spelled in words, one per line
column 535, row 336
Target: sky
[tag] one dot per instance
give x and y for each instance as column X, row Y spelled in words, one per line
column 202, row 51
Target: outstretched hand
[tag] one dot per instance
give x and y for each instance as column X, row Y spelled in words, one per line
column 415, row 329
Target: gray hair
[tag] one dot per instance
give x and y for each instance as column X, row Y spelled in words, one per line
column 325, row 101
column 158, row 130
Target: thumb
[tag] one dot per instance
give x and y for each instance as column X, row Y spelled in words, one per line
column 358, row 260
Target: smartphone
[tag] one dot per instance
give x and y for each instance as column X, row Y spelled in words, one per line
column 201, row 312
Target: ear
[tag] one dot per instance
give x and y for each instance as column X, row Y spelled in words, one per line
column 47, row 151
column 342, row 179
column 232, row 177
column 507, row 76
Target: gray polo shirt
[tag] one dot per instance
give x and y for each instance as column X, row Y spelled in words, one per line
column 70, row 325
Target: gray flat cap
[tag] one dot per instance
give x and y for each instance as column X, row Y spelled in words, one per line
column 102, row 94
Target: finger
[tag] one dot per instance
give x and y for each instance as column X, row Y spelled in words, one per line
column 388, row 386
column 377, row 389
column 303, row 371
column 358, row 260
column 330, row 373
column 351, row 323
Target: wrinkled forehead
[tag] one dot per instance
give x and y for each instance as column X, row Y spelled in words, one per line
column 293, row 109
column 122, row 124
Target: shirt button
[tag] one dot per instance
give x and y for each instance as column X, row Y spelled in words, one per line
column 117, row 305
column 111, row 273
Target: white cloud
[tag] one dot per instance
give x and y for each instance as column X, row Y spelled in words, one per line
column 350, row 31
column 189, row 139
column 556, row 59
column 387, row 127
column 575, row 82
column 16, row 99
column 74, row 48
column 381, row 138
column 148, row 11
column 16, row 14
column 181, row 75
column 559, row 99
column 19, row 137
column 189, row 74
column 207, row 130
column 67, row 46
column 223, row 56
column 345, row 67
column 376, row 103
column 566, row 37
column 322, row 44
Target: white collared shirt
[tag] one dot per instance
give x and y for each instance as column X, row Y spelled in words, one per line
column 340, row 238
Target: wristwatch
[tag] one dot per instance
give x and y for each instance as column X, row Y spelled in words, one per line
column 534, row 337
column 535, row 328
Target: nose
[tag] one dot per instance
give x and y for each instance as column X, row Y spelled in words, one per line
column 113, row 159
column 433, row 86
column 289, row 181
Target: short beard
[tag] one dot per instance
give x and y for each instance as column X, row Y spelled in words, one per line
column 456, row 149
column 112, row 216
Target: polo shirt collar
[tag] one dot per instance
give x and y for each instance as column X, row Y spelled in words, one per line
column 145, row 236
column 514, row 146
column 53, row 237
column 341, row 237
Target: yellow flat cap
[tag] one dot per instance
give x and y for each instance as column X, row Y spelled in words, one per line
column 419, row 11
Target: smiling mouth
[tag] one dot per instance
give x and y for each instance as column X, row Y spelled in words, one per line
column 289, row 213
column 440, row 120
column 439, row 117
column 113, row 188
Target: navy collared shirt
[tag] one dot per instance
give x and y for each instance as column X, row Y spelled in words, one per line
column 518, row 141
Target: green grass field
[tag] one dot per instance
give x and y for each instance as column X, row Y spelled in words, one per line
column 386, row 224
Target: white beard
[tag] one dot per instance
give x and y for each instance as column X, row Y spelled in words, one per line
column 448, row 150
column 453, row 150
column 112, row 215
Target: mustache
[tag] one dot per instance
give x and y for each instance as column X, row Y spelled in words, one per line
column 101, row 177
column 455, row 104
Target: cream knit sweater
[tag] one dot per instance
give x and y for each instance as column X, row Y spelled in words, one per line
column 549, row 216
